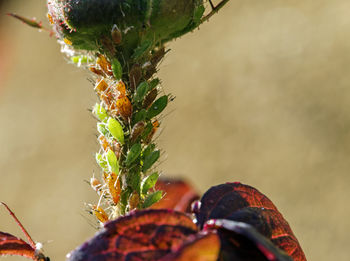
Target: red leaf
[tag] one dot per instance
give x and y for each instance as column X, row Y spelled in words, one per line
column 178, row 195
column 143, row 235
column 11, row 245
column 203, row 247
column 241, row 242
column 239, row 202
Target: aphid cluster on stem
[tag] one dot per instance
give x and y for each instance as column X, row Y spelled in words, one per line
column 127, row 121
column 122, row 44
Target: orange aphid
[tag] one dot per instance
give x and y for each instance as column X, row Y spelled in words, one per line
column 67, row 41
column 96, row 71
column 50, row 19
column 116, row 147
column 134, row 201
column 104, row 143
column 121, row 88
column 113, row 183
column 101, row 86
column 105, row 176
column 104, row 64
column 156, row 124
column 124, row 107
column 95, row 184
column 154, row 129
column 100, row 214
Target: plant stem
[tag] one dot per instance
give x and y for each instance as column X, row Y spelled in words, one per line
column 130, row 102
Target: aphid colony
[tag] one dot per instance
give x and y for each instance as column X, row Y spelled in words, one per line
column 127, row 122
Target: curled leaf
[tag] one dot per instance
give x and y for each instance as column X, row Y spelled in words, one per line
column 239, row 202
column 142, row 235
column 240, row 241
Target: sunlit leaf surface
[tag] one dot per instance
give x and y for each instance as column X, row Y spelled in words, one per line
column 142, row 235
column 239, row 202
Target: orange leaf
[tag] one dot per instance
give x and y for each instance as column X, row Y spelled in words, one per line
column 178, row 195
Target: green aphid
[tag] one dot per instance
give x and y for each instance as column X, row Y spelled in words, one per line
column 81, row 59
column 149, row 149
column 101, row 161
column 112, row 161
column 139, row 116
column 133, row 154
column 149, row 182
column 100, row 112
column 141, row 91
column 154, row 83
column 117, row 69
column 147, row 131
column 102, row 128
column 124, row 199
column 152, row 199
column 142, row 49
column 133, row 180
column 116, row 129
column 157, row 107
column 198, row 14
column 150, row 160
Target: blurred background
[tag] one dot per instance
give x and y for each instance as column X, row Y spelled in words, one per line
column 262, row 97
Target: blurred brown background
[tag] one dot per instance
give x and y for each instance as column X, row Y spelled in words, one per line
column 263, row 97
